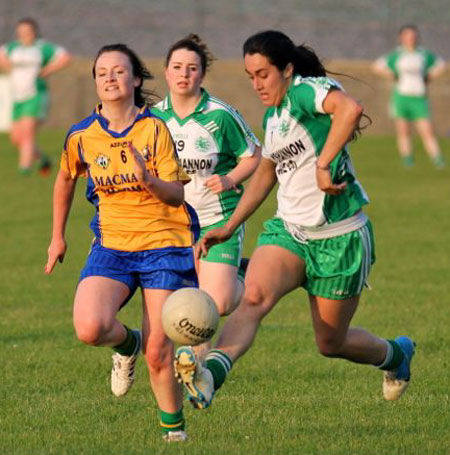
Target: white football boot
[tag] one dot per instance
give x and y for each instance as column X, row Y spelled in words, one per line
column 122, row 373
column 197, row 379
column 396, row 381
column 175, row 436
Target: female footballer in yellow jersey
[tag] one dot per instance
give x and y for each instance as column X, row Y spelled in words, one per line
column 144, row 231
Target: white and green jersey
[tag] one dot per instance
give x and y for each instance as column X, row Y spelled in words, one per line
column 209, row 141
column 295, row 132
column 27, row 62
column 410, row 69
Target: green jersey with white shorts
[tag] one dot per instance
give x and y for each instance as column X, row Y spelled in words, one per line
column 29, row 91
column 211, row 141
column 410, row 69
column 330, row 233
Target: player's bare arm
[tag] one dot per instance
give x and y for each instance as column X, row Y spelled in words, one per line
column 260, row 185
column 244, row 169
column 346, row 114
column 63, row 192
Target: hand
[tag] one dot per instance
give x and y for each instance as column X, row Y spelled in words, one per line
column 220, row 183
column 42, row 74
column 210, row 239
column 324, row 182
column 56, row 252
column 140, row 168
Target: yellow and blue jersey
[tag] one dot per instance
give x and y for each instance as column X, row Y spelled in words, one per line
column 128, row 217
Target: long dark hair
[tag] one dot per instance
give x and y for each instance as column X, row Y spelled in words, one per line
column 141, row 96
column 280, row 50
column 193, row 42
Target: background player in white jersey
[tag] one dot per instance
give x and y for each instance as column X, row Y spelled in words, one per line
column 30, row 61
column 319, row 237
column 412, row 67
column 218, row 151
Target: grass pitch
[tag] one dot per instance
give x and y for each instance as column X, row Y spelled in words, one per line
column 282, row 397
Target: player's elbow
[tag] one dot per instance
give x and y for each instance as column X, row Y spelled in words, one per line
column 176, row 197
column 175, row 202
column 355, row 110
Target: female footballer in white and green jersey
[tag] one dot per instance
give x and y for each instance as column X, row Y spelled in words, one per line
column 218, row 151
column 412, row 67
column 30, row 60
column 319, row 238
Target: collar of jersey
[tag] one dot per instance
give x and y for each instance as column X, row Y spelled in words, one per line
column 286, row 102
column 403, row 49
column 201, row 106
column 104, row 123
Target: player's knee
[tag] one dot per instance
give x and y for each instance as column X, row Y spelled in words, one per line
column 158, row 357
column 225, row 304
column 90, row 332
column 330, row 345
column 257, row 300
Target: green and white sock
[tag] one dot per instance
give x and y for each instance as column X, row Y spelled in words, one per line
column 394, row 356
column 171, row 421
column 408, row 160
column 219, row 364
column 24, row 170
column 439, row 161
column 128, row 346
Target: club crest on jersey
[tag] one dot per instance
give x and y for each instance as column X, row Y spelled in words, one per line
column 102, row 161
column 283, row 129
column 146, row 153
column 202, row 144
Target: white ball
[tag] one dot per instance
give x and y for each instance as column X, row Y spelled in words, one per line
column 190, row 316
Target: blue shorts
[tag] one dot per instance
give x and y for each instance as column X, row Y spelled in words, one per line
column 165, row 268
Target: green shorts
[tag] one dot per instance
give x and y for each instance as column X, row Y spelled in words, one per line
column 336, row 268
column 33, row 107
column 229, row 252
column 410, row 108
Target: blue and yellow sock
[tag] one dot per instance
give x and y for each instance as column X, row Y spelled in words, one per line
column 171, row 421
column 219, row 364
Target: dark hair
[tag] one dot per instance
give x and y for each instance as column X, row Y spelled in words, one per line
column 193, row 43
column 280, row 51
column 32, row 23
column 408, row 27
column 141, row 96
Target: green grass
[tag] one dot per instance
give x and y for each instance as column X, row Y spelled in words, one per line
column 282, row 397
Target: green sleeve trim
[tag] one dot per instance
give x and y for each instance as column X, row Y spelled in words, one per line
column 9, row 47
column 430, row 60
column 304, row 97
column 48, row 52
column 391, row 62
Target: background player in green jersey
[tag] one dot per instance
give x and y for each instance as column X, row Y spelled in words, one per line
column 30, row 61
column 218, row 151
column 319, row 238
column 412, row 67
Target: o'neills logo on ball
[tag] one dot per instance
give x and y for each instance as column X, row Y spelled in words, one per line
column 201, row 332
